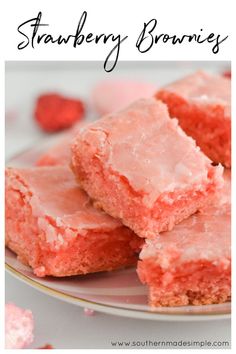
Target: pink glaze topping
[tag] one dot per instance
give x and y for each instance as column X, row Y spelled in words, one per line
column 205, row 235
column 149, row 149
column 55, row 193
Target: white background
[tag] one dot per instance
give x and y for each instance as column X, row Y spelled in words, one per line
column 26, row 80
column 63, row 325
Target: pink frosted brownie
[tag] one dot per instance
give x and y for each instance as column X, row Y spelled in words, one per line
column 19, row 327
column 139, row 166
column 202, row 103
column 192, row 263
column 52, row 226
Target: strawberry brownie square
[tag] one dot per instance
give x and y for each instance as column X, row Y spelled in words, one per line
column 52, row 226
column 139, row 166
column 202, row 104
column 192, row 263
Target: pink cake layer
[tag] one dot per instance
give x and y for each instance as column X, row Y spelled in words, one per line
column 202, row 104
column 139, row 166
column 52, row 226
column 19, row 327
column 192, row 263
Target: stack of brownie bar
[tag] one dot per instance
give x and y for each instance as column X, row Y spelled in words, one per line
column 148, row 184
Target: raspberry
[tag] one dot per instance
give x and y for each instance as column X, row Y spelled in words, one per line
column 54, row 112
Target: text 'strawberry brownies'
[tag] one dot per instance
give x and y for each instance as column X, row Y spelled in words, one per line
column 138, row 165
column 52, row 226
column 192, row 263
column 202, row 104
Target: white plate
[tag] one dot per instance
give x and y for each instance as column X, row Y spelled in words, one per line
column 118, row 292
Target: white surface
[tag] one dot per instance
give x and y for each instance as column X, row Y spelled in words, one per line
column 61, row 324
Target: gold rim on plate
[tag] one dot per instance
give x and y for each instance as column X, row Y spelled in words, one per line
column 111, row 308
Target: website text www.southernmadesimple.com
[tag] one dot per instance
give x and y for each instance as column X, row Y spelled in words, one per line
column 170, row 344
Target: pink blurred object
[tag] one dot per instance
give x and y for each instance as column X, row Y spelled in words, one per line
column 11, row 117
column 89, row 312
column 227, row 74
column 60, row 154
column 54, row 112
column 19, row 327
column 110, row 96
column 47, row 346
